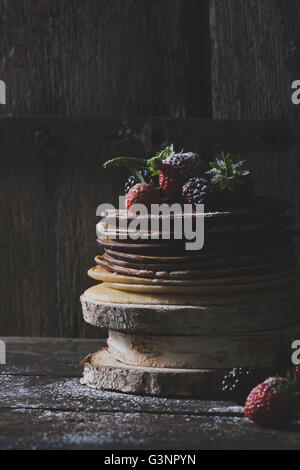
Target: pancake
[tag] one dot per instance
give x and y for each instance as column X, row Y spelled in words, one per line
column 198, row 264
column 259, row 209
column 102, row 274
column 206, row 259
column 145, row 248
column 243, row 247
column 213, row 290
column 193, row 272
column 257, row 243
column 102, row 293
column 278, row 228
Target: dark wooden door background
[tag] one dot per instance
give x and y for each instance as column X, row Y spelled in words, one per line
column 227, row 59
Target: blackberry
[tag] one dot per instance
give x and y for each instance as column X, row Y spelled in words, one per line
column 186, row 164
column 146, row 174
column 131, row 181
column 197, row 191
column 239, row 382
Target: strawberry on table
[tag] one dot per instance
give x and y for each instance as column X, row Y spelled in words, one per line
column 273, row 402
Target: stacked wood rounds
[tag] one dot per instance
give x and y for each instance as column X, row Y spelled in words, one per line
column 177, row 319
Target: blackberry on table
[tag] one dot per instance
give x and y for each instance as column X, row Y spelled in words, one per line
column 197, row 191
column 238, row 383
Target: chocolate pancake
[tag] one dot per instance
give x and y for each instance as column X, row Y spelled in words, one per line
column 219, row 232
column 242, row 246
column 255, row 242
column 240, row 265
column 145, row 248
column 205, row 259
column 258, row 210
column 271, row 269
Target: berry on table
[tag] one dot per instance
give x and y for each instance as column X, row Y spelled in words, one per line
column 273, row 402
column 142, row 193
column 238, row 383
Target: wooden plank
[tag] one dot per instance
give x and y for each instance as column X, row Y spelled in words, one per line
column 42, row 429
column 251, row 79
column 67, row 394
column 41, row 412
column 52, row 364
column 46, row 345
column 61, row 138
column 54, row 357
column 103, row 57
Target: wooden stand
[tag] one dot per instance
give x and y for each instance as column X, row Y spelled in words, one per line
column 185, row 350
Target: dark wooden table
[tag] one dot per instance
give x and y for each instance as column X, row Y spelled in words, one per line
column 43, row 406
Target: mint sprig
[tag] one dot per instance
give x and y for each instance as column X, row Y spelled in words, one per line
column 136, row 165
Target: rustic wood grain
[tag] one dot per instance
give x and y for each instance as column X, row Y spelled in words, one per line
column 52, row 412
column 105, row 57
column 238, row 315
column 67, row 394
column 55, row 357
column 43, row 429
column 258, row 349
column 252, row 42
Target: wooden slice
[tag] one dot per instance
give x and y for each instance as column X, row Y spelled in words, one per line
column 260, row 349
column 103, row 372
column 193, row 315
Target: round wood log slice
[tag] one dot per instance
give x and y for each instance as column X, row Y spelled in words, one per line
column 264, row 349
column 213, row 316
column 103, row 372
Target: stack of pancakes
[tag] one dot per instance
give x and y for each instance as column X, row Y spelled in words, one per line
column 244, row 249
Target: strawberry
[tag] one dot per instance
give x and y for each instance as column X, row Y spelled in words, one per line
column 296, row 373
column 142, row 193
column 171, row 182
column 273, row 402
